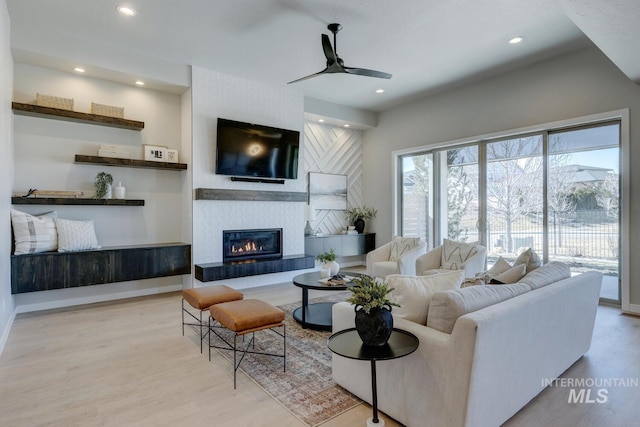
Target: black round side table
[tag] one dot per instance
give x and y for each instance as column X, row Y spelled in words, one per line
column 348, row 344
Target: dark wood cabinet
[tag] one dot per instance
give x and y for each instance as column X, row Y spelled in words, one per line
column 343, row 244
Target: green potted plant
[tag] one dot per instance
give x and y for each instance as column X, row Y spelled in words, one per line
column 103, row 183
column 357, row 216
column 374, row 321
column 328, row 260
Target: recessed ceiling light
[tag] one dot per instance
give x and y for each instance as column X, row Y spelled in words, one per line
column 379, row 90
column 126, row 10
column 321, row 120
column 139, row 82
column 347, row 125
column 79, row 69
column 516, row 40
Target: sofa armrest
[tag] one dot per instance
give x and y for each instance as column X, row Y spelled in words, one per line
column 429, row 261
column 377, row 255
column 407, row 263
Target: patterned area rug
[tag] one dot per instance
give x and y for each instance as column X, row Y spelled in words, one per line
column 306, row 388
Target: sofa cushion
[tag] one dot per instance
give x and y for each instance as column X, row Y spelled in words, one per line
column 413, row 293
column 34, row 233
column 454, row 253
column 447, row 306
column 547, row 274
column 529, row 258
column 401, row 245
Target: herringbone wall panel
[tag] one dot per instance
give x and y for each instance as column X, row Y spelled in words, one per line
column 335, row 150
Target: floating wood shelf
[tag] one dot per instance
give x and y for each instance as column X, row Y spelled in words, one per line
column 131, row 163
column 250, row 195
column 58, row 270
column 75, row 201
column 74, row 116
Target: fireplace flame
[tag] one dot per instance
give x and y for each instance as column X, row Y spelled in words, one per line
column 249, row 247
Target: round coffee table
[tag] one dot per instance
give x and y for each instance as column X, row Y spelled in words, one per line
column 317, row 315
column 347, row 343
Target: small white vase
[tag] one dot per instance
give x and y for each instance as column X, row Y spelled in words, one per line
column 332, row 266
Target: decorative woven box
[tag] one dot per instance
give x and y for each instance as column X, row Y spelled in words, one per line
column 54, row 101
column 107, row 110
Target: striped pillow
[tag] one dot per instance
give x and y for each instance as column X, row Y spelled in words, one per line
column 34, row 233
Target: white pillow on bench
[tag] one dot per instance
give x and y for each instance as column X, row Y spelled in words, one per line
column 76, row 235
column 34, row 233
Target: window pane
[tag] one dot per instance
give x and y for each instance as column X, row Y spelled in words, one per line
column 583, row 200
column 459, row 209
column 417, row 184
column 514, row 197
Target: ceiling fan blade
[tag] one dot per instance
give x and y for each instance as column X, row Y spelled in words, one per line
column 328, row 50
column 308, row 77
column 365, row 72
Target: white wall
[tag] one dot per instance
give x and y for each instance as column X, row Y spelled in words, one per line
column 7, row 303
column 574, row 85
column 218, row 95
column 44, row 159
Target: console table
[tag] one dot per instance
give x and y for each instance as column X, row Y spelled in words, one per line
column 347, row 343
column 343, row 244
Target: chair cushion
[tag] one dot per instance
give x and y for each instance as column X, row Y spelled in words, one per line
column 205, row 297
column 384, row 268
column 246, row 315
column 447, row 306
column 454, row 254
column 413, row 293
column 401, row 245
column 34, row 233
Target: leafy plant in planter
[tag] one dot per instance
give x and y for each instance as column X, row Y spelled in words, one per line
column 358, row 215
column 328, row 260
column 103, row 183
column 374, row 321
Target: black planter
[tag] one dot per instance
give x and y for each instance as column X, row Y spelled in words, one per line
column 375, row 327
column 359, row 224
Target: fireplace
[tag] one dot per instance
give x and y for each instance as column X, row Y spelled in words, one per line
column 238, row 245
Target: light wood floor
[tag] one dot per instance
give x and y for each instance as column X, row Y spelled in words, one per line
column 126, row 363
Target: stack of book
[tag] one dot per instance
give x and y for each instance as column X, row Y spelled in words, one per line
column 112, row 150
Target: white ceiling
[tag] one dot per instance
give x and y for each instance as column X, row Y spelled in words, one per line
column 428, row 45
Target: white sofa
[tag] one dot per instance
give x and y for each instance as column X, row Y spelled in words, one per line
column 494, row 360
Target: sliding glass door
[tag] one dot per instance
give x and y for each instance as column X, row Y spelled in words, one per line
column 556, row 191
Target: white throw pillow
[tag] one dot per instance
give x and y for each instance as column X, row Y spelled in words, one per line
column 401, row 245
column 454, row 254
column 34, row 233
column 413, row 293
column 76, row 235
column 499, row 267
column 512, row 275
column 529, row 258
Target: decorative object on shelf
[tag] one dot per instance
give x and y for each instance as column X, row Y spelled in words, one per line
column 309, row 215
column 328, row 260
column 103, row 185
column 374, row 321
column 51, row 193
column 54, row 101
column 155, row 153
column 358, row 215
column 119, row 191
column 327, row 191
column 107, row 110
column 113, row 150
column 172, row 156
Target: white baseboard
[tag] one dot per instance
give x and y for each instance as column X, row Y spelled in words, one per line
column 7, row 331
column 633, row 309
column 70, row 302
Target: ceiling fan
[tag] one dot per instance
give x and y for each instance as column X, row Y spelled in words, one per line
column 335, row 64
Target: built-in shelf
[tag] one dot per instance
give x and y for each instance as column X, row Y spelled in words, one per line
column 131, row 163
column 75, row 116
column 252, row 267
column 75, row 201
column 250, row 195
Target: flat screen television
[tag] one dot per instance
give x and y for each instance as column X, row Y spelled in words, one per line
column 247, row 149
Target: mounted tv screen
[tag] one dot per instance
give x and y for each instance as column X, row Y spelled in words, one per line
column 245, row 149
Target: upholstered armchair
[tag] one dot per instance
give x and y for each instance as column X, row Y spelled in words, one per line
column 396, row 257
column 471, row 261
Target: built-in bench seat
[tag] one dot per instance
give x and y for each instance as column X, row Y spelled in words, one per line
column 58, row 270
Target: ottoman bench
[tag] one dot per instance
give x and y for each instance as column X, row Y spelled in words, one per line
column 203, row 298
column 243, row 317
